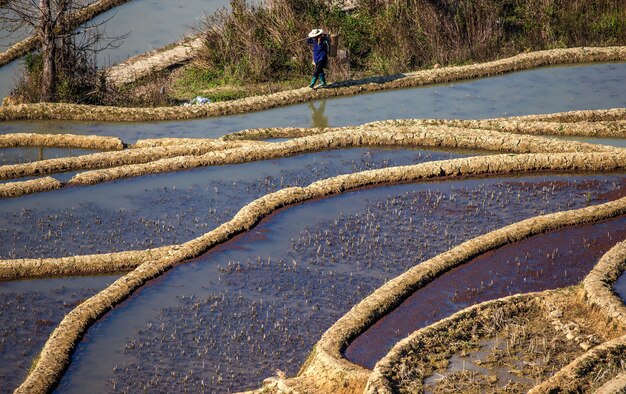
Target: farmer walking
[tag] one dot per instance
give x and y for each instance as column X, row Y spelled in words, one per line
column 321, row 47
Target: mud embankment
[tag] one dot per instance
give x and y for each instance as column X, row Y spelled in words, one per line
column 522, row 61
column 60, row 141
column 152, row 62
column 587, row 123
column 175, row 154
column 17, row 189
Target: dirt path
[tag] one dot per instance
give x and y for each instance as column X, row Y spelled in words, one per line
column 145, row 64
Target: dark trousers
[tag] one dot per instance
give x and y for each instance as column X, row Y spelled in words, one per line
column 319, row 68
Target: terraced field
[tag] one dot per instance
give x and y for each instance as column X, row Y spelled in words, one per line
column 482, row 253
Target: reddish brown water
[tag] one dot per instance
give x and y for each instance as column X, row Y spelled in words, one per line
column 547, row 261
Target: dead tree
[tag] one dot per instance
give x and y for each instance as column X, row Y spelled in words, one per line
column 53, row 23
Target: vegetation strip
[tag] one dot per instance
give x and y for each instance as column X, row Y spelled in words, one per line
column 29, row 44
column 522, row 61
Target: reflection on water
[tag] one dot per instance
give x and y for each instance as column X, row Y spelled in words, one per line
column 318, row 119
column 31, row 154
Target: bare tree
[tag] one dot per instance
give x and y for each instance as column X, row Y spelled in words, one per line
column 54, row 23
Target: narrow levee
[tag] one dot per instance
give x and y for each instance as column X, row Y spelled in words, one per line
column 547, row 261
column 259, row 302
column 571, row 88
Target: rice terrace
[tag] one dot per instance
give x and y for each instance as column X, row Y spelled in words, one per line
column 399, row 196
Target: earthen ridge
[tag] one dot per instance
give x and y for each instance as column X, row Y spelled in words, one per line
column 109, row 159
column 17, row 189
column 60, row 141
column 522, row 61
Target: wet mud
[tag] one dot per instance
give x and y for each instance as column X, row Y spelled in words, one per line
column 260, row 301
column 166, row 209
column 29, row 311
column 547, row 261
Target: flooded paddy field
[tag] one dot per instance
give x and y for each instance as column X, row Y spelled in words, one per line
column 30, row 310
column 143, row 21
column 229, row 318
column 552, row 260
column 571, row 88
column 170, row 208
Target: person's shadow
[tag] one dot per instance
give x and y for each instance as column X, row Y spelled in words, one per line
column 318, row 119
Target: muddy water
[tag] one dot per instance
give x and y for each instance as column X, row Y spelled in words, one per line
column 570, row 88
column 259, row 302
column 546, row 261
column 29, row 311
column 26, row 155
column 170, row 208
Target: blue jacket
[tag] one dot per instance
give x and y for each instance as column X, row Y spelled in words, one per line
column 320, row 50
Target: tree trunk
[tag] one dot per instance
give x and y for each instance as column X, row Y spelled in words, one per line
column 48, row 49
